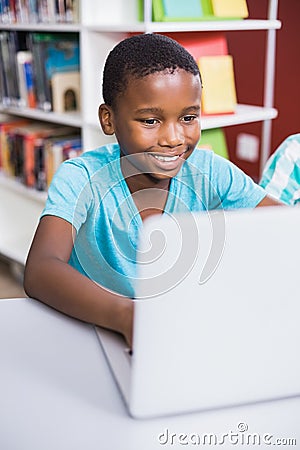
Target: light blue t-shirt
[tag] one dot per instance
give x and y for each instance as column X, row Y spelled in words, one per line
column 91, row 193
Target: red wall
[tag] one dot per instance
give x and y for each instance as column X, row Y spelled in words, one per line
column 248, row 49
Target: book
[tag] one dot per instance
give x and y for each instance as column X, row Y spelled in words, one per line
column 57, row 150
column 214, row 139
column 65, row 88
column 8, row 49
column 23, row 142
column 6, row 125
column 207, row 9
column 230, row 8
column 31, row 99
column 34, row 174
column 52, row 53
column 219, row 93
column 178, row 10
column 45, row 10
column 202, row 44
column 25, row 79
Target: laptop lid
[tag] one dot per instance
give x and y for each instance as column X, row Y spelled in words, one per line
column 217, row 311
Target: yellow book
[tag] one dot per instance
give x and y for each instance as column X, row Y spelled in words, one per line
column 219, row 93
column 230, row 8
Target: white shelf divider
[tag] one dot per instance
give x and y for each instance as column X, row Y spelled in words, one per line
column 243, row 114
column 72, row 119
column 164, row 27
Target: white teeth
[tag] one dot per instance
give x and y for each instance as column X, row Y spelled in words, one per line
column 166, row 158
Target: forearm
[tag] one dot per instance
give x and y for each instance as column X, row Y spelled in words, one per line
column 57, row 284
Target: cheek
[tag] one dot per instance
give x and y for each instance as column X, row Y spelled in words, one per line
column 145, row 137
column 193, row 132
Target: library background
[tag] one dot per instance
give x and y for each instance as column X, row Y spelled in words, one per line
column 51, row 58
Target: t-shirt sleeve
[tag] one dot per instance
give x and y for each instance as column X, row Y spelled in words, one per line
column 232, row 188
column 70, row 194
column 281, row 175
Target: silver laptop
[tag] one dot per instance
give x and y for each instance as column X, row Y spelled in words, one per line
column 217, row 313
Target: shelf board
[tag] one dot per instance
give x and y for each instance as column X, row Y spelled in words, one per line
column 243, row 114
column 212, row 25
column 72, row 119
column 53, row 27
column 17, row 187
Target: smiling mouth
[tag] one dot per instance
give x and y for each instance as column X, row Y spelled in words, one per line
column 166, row 158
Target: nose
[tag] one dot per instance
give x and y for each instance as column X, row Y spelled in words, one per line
column 171, row 135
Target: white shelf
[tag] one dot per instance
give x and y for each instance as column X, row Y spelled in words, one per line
column 20, row 209
column 17, row 187
column 53, row 27
column 163, row 27
column 243, row 114
column 72, row 119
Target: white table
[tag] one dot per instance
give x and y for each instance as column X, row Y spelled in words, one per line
column 57, row 393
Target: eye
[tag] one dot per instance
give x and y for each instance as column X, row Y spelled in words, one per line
column 149, row 122
column 189, row 118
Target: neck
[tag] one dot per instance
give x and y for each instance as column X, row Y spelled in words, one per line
column 138, row 181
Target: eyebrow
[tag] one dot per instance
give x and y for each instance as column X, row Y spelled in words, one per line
column 154, row 110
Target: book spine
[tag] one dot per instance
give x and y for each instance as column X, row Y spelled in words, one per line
column 33, row 11
column 7, row 154
column 12, row 69
column 5, row 165
column 29, row 176
column 39, row 76
column 31, row 100
column 3, row 82
column 21, row 80
column 39, row 165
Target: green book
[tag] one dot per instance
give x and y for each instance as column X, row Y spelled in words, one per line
column 214, row 139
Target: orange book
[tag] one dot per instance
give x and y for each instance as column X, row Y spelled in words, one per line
column 5, row 126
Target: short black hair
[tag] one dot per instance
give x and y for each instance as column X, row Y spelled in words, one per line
column 139, row 56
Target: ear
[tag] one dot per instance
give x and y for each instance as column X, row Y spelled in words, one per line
column 105, row 114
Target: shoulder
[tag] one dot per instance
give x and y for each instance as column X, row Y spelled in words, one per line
column 94, row 160
column 210, row 164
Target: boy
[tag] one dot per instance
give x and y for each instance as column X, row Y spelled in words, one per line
column 82, row 260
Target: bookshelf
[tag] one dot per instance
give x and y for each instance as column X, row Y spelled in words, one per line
column 100, row 28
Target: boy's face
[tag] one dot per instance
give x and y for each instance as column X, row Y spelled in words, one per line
column 157, row 121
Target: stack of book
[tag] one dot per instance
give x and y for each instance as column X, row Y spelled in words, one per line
column 40, row 70
column 195, row 10
column 42, row 11
column 32, row 151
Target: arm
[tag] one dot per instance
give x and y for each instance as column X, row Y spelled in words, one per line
column 49, row 278
column 269, row 201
